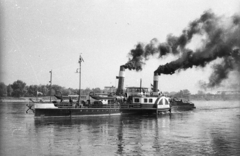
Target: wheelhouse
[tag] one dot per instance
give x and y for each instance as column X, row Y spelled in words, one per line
column 137, row 91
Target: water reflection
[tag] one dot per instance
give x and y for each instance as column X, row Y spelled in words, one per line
column 127, row 133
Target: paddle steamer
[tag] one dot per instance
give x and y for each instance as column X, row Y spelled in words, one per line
column 133, row 100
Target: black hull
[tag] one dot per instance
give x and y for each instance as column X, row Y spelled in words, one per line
column 66, row 110
column 183, row 108
column 72, row 112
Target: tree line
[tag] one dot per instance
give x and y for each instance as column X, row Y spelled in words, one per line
column 21, row 89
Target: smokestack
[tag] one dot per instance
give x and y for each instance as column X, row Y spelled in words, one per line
column 120, row 81
column 155, row 82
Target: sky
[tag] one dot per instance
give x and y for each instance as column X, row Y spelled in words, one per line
column 39, row 36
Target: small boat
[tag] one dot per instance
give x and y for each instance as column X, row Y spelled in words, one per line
column 181, row 104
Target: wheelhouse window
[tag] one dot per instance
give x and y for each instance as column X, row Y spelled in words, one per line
column 136, row 100
column 150, row 100
column 145, row 100
column 137, row 90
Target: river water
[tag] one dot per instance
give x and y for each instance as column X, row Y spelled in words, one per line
column 213, row 128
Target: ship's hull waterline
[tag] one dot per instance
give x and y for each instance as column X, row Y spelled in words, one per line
column 49, row 110
column 75, row 112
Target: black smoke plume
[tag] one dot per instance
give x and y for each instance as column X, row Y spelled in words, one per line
column 222, row 41
column 222, row 70
column 173, row 44
column 220, row 37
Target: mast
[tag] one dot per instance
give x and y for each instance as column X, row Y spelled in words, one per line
column 50, row 85
column 80, row 61
column 140, row 85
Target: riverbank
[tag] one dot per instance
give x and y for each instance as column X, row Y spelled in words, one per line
column 14, row 99
column 24, row 99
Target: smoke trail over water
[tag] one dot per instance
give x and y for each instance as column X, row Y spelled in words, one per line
column 221, row 39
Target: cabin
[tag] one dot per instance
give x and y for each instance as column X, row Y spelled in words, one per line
column 142, row 98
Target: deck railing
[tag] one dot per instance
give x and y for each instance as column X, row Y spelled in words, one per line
column 115, row 105
column 104, row 106
column 136, row 105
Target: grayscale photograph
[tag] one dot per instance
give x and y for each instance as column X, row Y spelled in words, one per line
column 119, row 77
